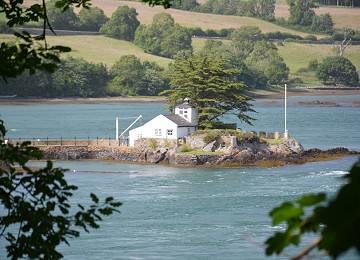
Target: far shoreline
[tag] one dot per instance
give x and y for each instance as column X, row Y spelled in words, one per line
column 257, row 95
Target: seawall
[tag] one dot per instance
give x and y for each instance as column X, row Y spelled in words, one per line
column 265, row 157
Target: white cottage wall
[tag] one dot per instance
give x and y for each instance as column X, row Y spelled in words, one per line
column 156, row 128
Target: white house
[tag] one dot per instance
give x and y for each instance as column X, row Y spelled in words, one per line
column 184, row 122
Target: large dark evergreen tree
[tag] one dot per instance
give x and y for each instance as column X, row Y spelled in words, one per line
column 211, row 87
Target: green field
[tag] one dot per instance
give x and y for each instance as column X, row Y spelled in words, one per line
column 101, row 49
column 297, row 56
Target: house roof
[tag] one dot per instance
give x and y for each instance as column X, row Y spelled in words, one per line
column 179, row 120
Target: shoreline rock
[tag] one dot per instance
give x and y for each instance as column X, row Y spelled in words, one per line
column 290, row 152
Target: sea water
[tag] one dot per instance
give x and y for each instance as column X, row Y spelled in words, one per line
column 189, row 213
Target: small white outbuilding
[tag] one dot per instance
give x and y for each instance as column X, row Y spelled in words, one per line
column 184, row 122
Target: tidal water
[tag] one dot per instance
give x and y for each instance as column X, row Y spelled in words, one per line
column 190, row 213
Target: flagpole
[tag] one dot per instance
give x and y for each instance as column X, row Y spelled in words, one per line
column 286, row 134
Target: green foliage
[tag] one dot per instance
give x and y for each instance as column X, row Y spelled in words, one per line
column 4, row 28
column 244, row 39
column 27, row 55
column 126, row 73
column 346, row 33
column 336, row 221
column 153, row 143
column 185, row 4
column 323, row 23
column 266, row 59
column 164, row 3
column 211, row 136
column 74, row 77
column 310, row 38
column 226, row 7
column 185, row 148
column 338, row 70
column 163, row 37
column 62, row 20
column 301, row 11
column 282, row 36
column 131, row 77
column 77, row 77
column 210, row 86
column 92, row 19
column 263, row 9
column 122, row 24
column 37, row 214
column 32, row 53
column 313, row 65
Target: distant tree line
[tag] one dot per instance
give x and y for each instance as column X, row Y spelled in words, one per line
column 347, row 3
column 248, row 51
column 76, row 77
column 88, row 19
column 263, row 9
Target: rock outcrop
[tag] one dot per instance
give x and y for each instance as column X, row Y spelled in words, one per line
column 225, row 151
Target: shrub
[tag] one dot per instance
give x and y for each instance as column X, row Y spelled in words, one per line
column 168, row 143
column 310, row 38
column 153, row 143
column 296, row 80
column 302, row 70
column 185, row 148
column 211, row 136
column 282, row 36
column 313, row 65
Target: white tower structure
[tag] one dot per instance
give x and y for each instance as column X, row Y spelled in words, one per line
column 186, row 111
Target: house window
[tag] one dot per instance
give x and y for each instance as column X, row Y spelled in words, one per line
column 139, row 136
column 181, row 111
column 188, row 131
column 169, row 132
column 185, row 114
column 157, row 131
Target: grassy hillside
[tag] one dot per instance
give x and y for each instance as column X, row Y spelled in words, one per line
column 190, row 19
column 297, row 56
column 99, row 49
column 106, row 50
column 342, row 16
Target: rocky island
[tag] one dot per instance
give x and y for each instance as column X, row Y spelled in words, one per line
column 216, row 148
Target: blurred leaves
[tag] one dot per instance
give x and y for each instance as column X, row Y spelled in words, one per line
column 336, row 222
column 37, row 214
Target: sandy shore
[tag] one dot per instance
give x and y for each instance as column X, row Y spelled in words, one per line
column 258, row 95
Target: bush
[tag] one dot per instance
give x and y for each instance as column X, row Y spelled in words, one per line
column 313, row 65
column 153, row 143
column 211, row 136
column 338, row 70
column 302, row 70
column 282, row 36
column 296, row 80
column 185, row 148
column 310, row 38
